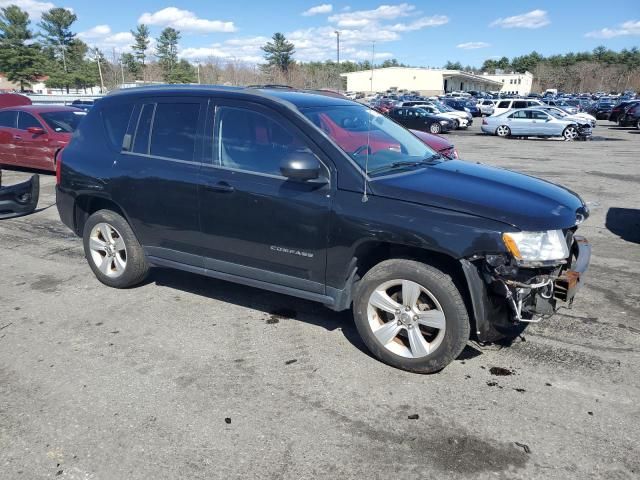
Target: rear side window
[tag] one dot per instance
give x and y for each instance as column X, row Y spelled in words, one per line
column 116, row 120
column 141, row 140
column 503, row 105
column 519, row 104
column 8, row 119
column 174, row 130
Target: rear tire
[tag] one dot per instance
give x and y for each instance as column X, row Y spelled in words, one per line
column 503, row 131
column 411, row 315
column 113, row 251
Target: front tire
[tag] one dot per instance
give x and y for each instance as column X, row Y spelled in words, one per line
column 411, row 315
column 113, row 251
column 570, row 133
column 435, row 128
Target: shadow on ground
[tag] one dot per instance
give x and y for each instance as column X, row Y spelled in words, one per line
column 624, row 222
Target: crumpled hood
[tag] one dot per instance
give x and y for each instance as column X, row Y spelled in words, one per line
column 525, row 202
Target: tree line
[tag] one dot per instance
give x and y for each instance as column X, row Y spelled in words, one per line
column 55, row 51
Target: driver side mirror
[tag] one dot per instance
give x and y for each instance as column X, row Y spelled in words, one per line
column 36, row 130
column 301, row 166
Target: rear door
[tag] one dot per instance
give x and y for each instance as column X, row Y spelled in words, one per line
column 8, row 132
column 255, row 222
column 33, row 150
column 519, row 123
column 158, row 176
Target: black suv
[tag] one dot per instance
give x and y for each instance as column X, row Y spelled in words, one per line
column 324, row 199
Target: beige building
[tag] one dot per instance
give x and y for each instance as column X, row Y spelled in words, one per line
column 427, row 81
column 514, row 83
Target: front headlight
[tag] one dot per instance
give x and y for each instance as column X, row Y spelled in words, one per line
column 444, row 122
column 536, row 246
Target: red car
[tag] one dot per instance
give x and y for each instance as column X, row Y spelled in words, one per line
column 33, row 135
column 437, row 143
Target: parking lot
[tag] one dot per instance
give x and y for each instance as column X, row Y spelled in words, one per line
column 189, row 377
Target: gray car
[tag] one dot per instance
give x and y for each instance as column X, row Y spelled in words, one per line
column 535, row 122
column 562, row 104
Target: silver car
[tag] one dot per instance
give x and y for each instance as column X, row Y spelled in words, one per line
column 535, row 122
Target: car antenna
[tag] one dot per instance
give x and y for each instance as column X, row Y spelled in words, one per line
column 365, row 198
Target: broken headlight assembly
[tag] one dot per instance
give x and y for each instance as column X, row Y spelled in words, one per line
column 537, row 248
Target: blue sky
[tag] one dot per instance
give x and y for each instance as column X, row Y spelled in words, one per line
column 426, row 33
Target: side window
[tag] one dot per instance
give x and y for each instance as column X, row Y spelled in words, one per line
column 8, row 119
column 248, row 140
column 520, row 104
column 503, row 104
column 116, row 120
column 519, row 114
column 537, row 115
column 175, row 128
column 26, row 120
column 143, row 128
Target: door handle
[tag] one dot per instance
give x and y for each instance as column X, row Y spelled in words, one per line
column 221, row 187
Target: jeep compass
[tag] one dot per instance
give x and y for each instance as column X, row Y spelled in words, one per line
column 324, row 199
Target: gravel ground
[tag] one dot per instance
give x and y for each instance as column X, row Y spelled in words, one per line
column 188, row 377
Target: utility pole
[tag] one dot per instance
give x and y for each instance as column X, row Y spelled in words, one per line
column 100, row 72
column 373, row 56
column 198, row 73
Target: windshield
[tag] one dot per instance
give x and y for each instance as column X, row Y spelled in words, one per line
column 373, row 141
column 63, row 122
column 556, row 113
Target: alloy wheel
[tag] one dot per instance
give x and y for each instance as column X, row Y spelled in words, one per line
column 406, row 318
column 570, row 133
column 502, row 131
column 108, row 250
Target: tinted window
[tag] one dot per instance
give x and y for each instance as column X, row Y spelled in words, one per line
column 537, row 115
column 174, row 130
column 8, row 119
column 141, row 140
column 520, row 104
column 64, row 121
column 251, row 141
column 26, row 120
column 503, row 105
column 116, row 120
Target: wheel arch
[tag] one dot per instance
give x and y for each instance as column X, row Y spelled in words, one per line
column 371, row 253
column 86, row 204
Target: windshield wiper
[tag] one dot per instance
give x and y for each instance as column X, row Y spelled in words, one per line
column 430, row 160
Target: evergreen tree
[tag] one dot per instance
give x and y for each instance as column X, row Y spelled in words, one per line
column 140, row 47
column 22, row 62
column 131, row 65
column 167, row 51
column 453, row 65
column 57, row 34
column 183, row 72
column 279, row 52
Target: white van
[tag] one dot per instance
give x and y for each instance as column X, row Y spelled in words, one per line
column 507, row 104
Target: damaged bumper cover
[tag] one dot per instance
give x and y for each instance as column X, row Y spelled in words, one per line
column 505, row 299
column 20, row 198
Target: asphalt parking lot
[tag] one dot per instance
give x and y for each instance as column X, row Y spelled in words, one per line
column 189, row 377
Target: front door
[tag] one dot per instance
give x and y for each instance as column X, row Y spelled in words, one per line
column 255, row 222
column 158, row 176
column 33, row 149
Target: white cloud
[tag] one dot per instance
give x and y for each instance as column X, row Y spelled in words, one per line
column 102, row 37
column 34, row 8
column 632, row 27
column 532, row 19
column 361, row 18
column 421, row 23
column 185, row 21
column 473, row 45
column 318, row 9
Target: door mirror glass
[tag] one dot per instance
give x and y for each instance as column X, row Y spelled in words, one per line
column 36, row 130
column 300, row 166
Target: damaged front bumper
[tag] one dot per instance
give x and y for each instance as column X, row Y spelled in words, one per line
column 507, row 297
column 19, row 199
